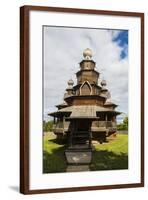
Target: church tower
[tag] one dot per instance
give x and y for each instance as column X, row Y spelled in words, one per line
column 87, row 106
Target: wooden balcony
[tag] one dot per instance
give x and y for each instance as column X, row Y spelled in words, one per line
column 97, row 126
column 101, row 126
column 61, row 127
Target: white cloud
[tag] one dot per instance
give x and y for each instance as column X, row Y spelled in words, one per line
column 63, row 48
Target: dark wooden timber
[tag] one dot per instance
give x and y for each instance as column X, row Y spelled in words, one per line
column 24, row 100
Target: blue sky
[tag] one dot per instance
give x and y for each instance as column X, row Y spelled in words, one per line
column 63, row 49
column 122, row 40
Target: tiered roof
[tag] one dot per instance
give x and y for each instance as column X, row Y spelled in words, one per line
column 72, row 92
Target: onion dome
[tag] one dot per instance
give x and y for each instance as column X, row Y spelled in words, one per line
column 70, row 82
column 103, row 83
column 87, row 53
column 70, row 85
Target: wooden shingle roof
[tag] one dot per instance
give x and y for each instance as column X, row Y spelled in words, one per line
column 82, row 111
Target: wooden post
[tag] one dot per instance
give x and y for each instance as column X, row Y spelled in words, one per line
column 106, row 119
column 90, row 134
column 63, row 125
column 71, row 133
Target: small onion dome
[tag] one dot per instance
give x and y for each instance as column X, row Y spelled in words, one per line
column 103, row 83
column 87, row 53
column 70, row 82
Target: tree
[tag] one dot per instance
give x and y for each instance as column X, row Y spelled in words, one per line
column 123, row 125
column 47, row 126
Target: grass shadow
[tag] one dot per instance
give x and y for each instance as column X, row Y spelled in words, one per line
column 59, row 141
column 108, row 160
column 109, row 156
column 55, row 161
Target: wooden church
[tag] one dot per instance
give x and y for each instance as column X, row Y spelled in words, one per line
column 88, row 112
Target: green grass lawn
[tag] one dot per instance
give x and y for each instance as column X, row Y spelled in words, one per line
column 106, row 156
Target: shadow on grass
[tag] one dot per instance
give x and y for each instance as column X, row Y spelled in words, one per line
column 55, row 161
column 101, row 160
column 59, row 141
column 108, row 160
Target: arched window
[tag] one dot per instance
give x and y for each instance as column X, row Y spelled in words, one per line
column 85, row 88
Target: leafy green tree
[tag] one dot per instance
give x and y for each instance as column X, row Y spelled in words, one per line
column 123, row 125
column 47, row 126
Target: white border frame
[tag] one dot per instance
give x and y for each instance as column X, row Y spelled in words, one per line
column 61, row 180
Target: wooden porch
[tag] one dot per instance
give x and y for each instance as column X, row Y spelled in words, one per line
column 97, row 126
